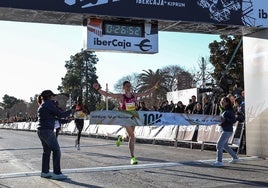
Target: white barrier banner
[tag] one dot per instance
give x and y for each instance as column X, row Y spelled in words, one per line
column 149, row 118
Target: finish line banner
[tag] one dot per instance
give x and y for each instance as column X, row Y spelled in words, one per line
column 150, row 118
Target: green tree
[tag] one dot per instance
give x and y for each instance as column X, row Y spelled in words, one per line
column 148, row 79
column 9, row 101
column 228, row 70
column 80, row 76
column 102, row 105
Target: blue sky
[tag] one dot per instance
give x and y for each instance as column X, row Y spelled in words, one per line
column 33, row 56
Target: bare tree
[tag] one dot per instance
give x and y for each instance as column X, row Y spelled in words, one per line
column 203, row 75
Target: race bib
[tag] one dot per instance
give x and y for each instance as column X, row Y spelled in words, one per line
column 130, row 106
column 79, row 115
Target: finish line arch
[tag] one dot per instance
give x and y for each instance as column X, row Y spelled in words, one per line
column 232, row 17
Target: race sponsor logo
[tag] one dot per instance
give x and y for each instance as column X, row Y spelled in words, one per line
column 112, row 43
column 160, row 3
column 263, row 14
column 151, row 2
column 144, row 45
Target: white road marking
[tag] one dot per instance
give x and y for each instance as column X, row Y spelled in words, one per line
column 228, row 159
column 115, row 168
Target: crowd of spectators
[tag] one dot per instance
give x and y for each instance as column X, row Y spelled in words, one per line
column 207, row 105
column 18, row 118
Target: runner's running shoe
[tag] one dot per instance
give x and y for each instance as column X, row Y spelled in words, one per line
column 119, row 140
column 133, row 161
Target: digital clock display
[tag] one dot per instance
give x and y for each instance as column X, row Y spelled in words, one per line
column 123, row 29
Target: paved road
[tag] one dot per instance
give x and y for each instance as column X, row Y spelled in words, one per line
column 100, row 163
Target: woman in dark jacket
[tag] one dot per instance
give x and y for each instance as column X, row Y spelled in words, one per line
column 47, row 111
column 228, row 119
